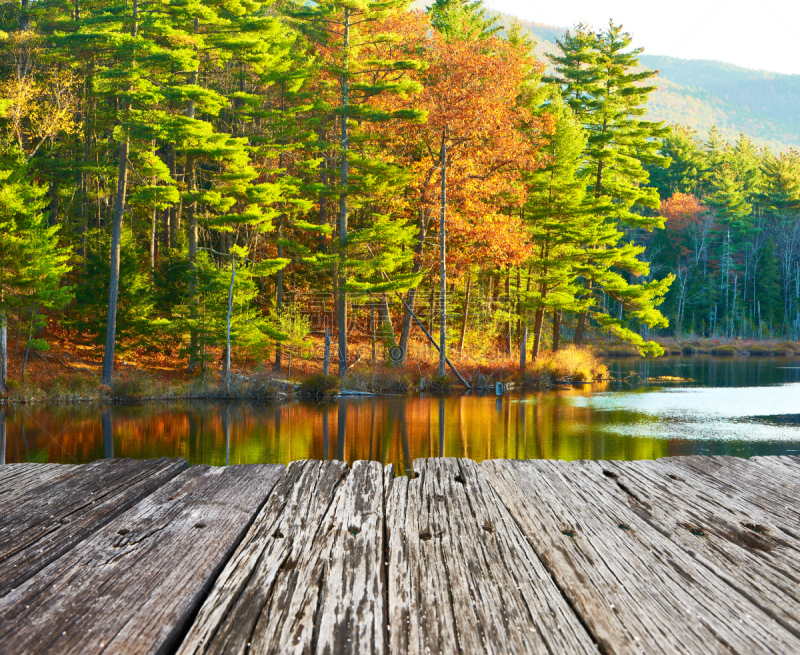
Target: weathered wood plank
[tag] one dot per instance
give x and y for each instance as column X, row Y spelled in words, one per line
column 308, row 577
column 773, row 489
column 635, row 589
column 20, row 479
column 737, row 541
column 462, row 577
column 39, row 529
column 133, row 586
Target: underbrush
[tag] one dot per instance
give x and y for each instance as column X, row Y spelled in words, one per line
column 572, row 363
column 319, row 385
column 378, row 379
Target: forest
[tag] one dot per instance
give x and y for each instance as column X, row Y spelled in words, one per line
column 219, row 182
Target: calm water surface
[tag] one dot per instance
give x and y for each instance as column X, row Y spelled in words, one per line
column 655, row 408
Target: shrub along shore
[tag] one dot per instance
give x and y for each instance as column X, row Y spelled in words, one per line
column 70, row 372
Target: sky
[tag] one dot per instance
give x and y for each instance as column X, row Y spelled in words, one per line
column 761, row 34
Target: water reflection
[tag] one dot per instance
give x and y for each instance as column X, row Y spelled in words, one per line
column 737, row 407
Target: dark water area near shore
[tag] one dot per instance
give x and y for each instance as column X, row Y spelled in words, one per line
column 652, row 408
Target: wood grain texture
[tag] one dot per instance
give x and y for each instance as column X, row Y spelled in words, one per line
column 772, row 487
column 308, row 577
column 133, row 586
column 39, row 528
column 462, row 577
column 737, row 541
column 20, row 479
column 636, row 590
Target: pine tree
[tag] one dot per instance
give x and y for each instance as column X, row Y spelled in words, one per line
column 463, row 19
column 32, row 264
column 350, row 39
column 559, row 219
column 602, row 82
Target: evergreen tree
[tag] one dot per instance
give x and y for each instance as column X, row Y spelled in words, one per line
column 32, row 264
column 349, row 41
column 463, row 19
column 601, row 80
column 559, row 219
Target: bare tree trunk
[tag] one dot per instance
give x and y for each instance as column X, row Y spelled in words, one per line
column 523, row 349
column 386, row 318
column 581, row 326
column 279, row 292
column 442, row 263
column 556, row 329
column 228, row 326
column 169, row 211
column 3, row 351
column 326, row 359
column 53, row 217
column 537, row 337
column 465, row 315
column 193, row 337
column 510, row 305
column 113, row 286
column 153, row 240
column 28, row 345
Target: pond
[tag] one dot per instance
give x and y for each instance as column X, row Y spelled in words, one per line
column 653, row 408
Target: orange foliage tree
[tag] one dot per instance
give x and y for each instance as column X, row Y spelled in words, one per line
column 689, row 226
column 470, row 93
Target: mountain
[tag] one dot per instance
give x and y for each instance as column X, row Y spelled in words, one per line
column 699, row 93
column 763, row 105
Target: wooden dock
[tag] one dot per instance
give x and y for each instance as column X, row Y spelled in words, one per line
column 679, row 555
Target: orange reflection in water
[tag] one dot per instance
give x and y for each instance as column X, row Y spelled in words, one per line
column 393, row 430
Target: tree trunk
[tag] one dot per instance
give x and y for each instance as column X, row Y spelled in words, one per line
column 442, row 263
column 523, row 348
column 386, row 319
column 193, row 337
column 113, row 286
column 24, row 21
column 153, row 240
column 465, row 315
column 508, row 322
column 3, row 351
column 341, row 316
column 405, row 331
column 279, row 292
column 323, row 204
column 581, row 326
column 169, row 211
column 228, row 326
column 116, row 236
column 556, row 329
column 28, row 345
column 537, row 337
column 326, row 358
column 53, row 217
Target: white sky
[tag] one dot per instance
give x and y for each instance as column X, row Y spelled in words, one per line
column 763, row 34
